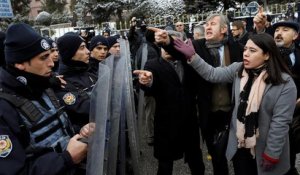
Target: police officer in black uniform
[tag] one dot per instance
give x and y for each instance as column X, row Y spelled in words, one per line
column 80, row 82
column 99, row 47
column 36, row 136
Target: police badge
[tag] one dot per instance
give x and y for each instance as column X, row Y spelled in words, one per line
column 69, row 98
column 5, row 146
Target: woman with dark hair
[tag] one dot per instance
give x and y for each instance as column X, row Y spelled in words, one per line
column 264, row 95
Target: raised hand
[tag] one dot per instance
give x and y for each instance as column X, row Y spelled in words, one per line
column 187, row 49
column 260, row 19
column 145, row 77
column 161, row 36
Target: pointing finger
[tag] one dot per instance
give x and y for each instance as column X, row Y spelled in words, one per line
column 148, row 74
column 142, row 73
column 260, row 9
column 137, row 72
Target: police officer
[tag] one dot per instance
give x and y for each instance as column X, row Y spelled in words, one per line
column 74, row 68
column 114, row 45
column 99, row 51
column 53, row 53
column 35, row 134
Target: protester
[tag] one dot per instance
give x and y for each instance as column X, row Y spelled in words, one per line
column 153, row 52
column 286, row 32
column 199, row 32
column 264, row 98
column 176, row 133
column 214, row 104
column 80, row 82
column 36, row 136
column 239, row 32
column 179, row 27
column 262, row 23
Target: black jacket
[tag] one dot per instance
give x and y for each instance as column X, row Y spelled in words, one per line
column 46, row 163
column 296, row 70
column 175, row 121
column 80, row 83
column 94, row 66
column 204, row 94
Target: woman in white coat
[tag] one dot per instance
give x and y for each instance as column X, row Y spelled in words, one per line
column 264, row 95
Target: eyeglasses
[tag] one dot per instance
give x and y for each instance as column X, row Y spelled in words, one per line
column 234, row 29
column 179, row 25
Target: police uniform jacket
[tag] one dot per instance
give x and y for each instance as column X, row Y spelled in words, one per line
column 14, row 138
column 76, row 94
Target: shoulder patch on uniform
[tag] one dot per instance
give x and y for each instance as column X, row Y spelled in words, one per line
column 69, row 98
column 5, row 146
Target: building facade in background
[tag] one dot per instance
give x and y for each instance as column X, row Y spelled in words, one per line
column 36, row 8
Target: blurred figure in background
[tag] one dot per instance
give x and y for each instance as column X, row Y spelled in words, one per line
column 53, row 54
column 199, row 32
column 239, row 32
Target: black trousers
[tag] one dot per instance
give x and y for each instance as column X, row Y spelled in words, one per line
column 292, row 170
column 192, row 157
column 243, row 163
column 216, row 122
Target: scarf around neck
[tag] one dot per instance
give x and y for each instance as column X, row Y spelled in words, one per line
column 252, row 87
column 213, row 48
column 285, row 53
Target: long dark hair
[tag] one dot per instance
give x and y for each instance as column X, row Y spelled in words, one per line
column 275, row 65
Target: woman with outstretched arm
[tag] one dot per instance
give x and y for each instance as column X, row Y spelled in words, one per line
column 264, row 95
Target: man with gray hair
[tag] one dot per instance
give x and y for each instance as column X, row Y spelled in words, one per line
column 214, row 102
